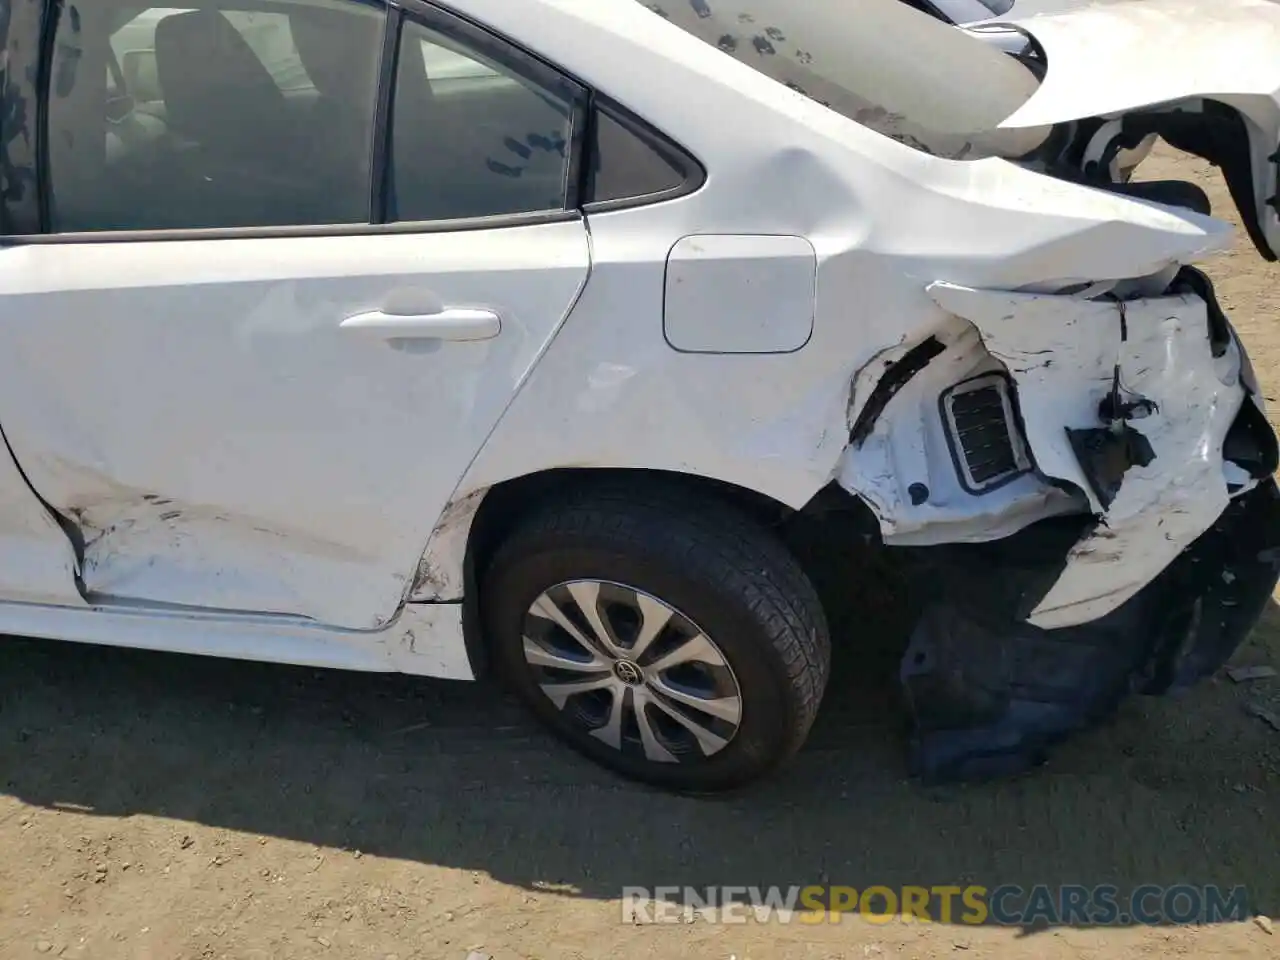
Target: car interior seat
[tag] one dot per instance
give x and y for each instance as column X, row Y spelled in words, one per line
column 244, row 158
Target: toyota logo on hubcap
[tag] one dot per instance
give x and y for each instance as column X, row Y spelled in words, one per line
column 628, row 673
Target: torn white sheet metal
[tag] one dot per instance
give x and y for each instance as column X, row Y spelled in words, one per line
column 1062, row 352
column 1131, row 57
column 1108, row 59
column 904, row 468
column 37, row 561
column 441, row 571
column 146, row 548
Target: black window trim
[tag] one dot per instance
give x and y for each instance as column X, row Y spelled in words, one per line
column 585, row 102
column 290, row 231
column 53, row 10
column 380, row 148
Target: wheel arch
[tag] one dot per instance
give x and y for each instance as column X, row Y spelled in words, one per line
column 505, row 503
column 473, row 526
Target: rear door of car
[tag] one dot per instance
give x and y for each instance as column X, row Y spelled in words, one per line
column 251, row 340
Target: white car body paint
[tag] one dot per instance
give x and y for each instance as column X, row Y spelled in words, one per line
column 225, row 444
column 303, row 467
column 609, row 393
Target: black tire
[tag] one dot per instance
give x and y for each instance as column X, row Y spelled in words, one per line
column 711, row 562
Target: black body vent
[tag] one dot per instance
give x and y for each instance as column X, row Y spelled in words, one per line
column 982, row 430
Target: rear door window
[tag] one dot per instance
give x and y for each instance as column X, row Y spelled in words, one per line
column 218, row 115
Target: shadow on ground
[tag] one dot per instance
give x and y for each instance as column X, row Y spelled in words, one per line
column 1172, row 792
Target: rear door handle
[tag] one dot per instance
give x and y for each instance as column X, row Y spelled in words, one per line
column 457, row 323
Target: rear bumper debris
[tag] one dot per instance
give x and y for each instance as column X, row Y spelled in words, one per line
column 1084, row 487
column 989, row 693
column 1128, row 403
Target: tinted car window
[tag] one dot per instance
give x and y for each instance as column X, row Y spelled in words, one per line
column 472, row 136
column 628, row 163
column 234, row 117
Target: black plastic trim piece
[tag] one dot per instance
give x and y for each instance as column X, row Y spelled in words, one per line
column 1250, row 442
column 380, row 147
column 44, row 88
column 584, row 172
column 1012, row 391
column 1199, row 284
column 318, row 230
column 895, row 378
column 579, row 143
column 990, row 695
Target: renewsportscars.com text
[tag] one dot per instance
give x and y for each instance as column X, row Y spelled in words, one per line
column 1007, row 904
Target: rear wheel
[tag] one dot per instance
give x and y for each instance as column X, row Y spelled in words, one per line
column 669, row 638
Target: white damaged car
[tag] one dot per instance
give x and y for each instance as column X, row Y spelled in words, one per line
column 440, row 337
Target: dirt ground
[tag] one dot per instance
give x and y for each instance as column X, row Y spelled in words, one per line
column 159, row 806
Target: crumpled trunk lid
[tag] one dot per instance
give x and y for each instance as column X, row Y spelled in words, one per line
column 1206, row 76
